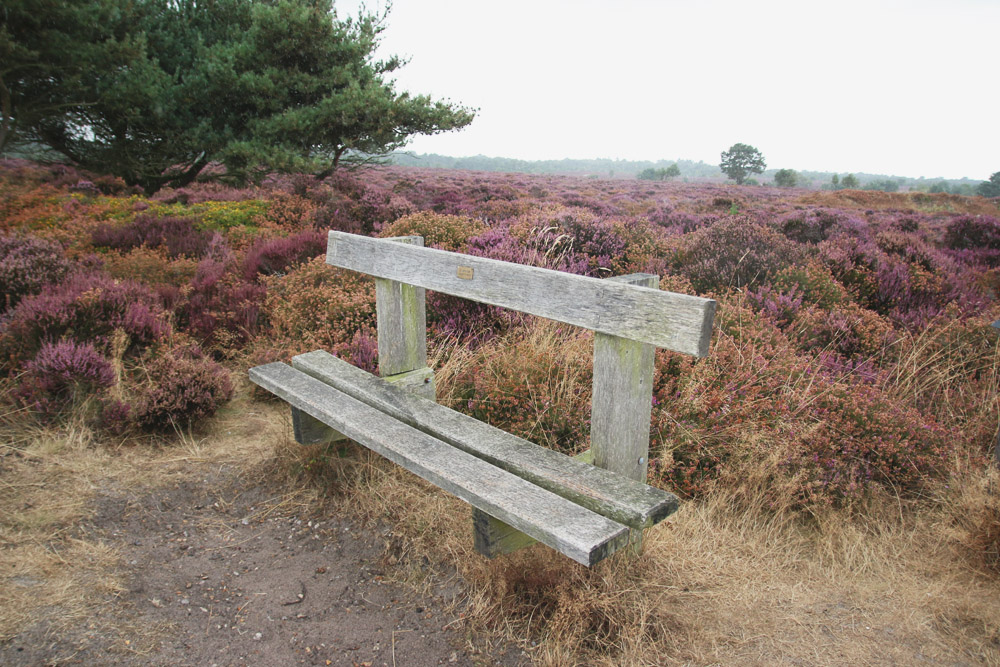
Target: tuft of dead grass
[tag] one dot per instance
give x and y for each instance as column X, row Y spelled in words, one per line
column 713, row 585
column 731, row 578
column 728, row 579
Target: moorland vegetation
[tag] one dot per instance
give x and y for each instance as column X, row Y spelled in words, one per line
column 853, row 367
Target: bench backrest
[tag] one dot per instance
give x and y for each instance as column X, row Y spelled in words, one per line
column 629, row 315
column 678, row 322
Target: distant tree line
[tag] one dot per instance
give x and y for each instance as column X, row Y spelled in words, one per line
column 697, row 171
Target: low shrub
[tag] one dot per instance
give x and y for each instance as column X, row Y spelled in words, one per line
column 535, row 384
column 221, row 216
column 61, row 375
column 973, row 232
column 26, row 265
column 446, row 232
column 276, row 255
column 736, row 252
column 179, row 236
column 86, row 307
column 815, row 225
column 181, row 387
column 291, row 212
column 318, row 306
column 756, row 412
column 849, row 330
column 152, row 266
column 781, row 307
column 813, row 282
column 219, row 309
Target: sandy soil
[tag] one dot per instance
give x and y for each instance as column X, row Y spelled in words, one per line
column 218, row 574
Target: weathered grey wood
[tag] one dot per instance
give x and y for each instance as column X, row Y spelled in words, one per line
column 584, row 536
column 623, row 500
column 309, row 431
column 402, row 321
column 419, row 382
column 492, row 537
column 677, row 322
column 622, row 397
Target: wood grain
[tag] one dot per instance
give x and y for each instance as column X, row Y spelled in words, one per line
column 402, row 321
column 584, row 536
column 621, row 402
column 678, row 322
column 614, row 496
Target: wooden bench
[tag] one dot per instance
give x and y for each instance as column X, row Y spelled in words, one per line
column 520, row 492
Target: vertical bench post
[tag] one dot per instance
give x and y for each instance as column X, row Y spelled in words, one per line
column 622, row 400
column 401, row 310
column 402, row 322
column 623, row 397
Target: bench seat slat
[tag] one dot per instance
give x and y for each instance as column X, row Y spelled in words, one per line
column 584, row 536
column 678, row 322
column 624, row 500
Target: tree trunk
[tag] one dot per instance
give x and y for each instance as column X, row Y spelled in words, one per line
column 6, row 122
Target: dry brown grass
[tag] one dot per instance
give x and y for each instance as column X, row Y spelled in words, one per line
column 724, row 581
column 729, row 579
column 715, row 584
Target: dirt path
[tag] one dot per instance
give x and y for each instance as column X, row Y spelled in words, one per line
column 220, row 574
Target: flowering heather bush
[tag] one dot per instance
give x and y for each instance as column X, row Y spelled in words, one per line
column 62, row 374
column 974, row 240
column 220, row 310
column 318, row 306
column 781, row 307
column 754, row 407
column 900, row 276
column 178, row 235
column 734, row 253
column 446, row 232
column 26, row 265
column 813, row 283
column 182, row 388
column 849, row 330
column 86, row 307
column 608, row 246
column 866, row 438
column 475, row 322
column 362, row 350
column 275, row 256
column 368, row 205
column 973, row 232
column 450, row 203
column 532, row 246
column 815, row 225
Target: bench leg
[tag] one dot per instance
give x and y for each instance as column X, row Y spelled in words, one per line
column 494, row 537
column 310, row 431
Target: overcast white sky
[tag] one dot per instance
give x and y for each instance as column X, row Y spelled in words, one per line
column 890, row 87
